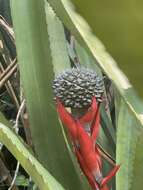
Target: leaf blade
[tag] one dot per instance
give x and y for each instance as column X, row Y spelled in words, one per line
column 38, row 173
column 37, row 74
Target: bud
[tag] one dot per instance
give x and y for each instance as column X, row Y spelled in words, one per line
column 75, row 87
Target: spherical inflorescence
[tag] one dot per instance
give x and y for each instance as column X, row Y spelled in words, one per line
column 75, row 87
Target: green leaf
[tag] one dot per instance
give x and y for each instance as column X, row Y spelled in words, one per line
column 41, row 49
column 60, row 61
column 129, row 150
column 57, row 41
column 38, row 173
column 21, row 180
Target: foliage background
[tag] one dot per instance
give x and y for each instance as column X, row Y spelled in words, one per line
column 39, row 60
column 119, row 24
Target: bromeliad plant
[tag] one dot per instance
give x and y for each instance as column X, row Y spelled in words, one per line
column 43, row 53
column 78, row 88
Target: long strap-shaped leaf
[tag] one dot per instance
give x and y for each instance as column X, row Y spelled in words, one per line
column 38, row 173
column 129, row 150
column 60, row 61
column 58, row 46
column 42, row 52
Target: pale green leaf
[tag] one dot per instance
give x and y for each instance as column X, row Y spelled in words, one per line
column 129, row 150
column 38, row 173
column 41, row 49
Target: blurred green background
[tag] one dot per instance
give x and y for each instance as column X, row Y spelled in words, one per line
column 119, row 25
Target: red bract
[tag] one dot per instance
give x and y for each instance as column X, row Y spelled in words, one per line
column 85, row 170
column 90, row 156
column 84, row 143
column 89, row 116
column 67, row 120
